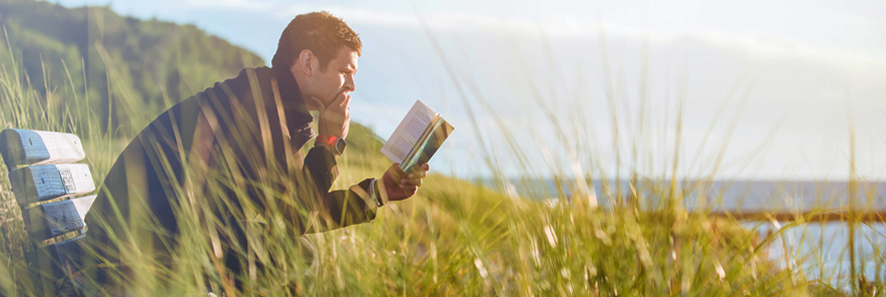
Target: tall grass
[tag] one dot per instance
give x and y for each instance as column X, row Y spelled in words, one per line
column 454, row 238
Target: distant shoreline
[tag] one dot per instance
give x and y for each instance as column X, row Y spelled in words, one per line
column 732, row 195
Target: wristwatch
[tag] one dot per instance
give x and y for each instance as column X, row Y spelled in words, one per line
column 336, row 144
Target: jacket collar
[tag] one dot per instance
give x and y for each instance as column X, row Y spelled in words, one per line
column 290, row 95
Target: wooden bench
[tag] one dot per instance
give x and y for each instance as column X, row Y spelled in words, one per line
column 51, row 190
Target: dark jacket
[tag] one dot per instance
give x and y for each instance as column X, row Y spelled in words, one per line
column 231, row 152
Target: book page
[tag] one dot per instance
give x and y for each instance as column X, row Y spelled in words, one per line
column 408, row 132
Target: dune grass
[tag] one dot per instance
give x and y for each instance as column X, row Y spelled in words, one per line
column 454, row 238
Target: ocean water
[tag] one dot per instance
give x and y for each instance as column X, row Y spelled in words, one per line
column 820, row 249
column 745, row 195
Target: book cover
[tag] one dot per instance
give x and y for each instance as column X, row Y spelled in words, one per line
column 417, row 138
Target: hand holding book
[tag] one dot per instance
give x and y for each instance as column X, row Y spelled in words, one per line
column 417, row 137
column 411, row 146
column 398, row 185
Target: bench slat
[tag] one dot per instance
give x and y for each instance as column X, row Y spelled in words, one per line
column 29, row 147
column 44, row 182
column 54, row 219
column 55, row 262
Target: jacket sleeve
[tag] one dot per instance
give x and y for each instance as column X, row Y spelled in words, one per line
column 340, row 208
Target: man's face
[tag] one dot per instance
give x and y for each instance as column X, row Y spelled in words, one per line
column 334, row 80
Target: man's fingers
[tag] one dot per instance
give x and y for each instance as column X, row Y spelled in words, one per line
column 395, row 173
column 414, row 178
column 409, row 190
column 346, row 101
column 340, row 100
column 408, row 184
column 410, row 181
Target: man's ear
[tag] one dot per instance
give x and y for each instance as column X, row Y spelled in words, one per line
column 305, row 60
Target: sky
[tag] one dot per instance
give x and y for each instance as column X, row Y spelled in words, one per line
column 739, row 89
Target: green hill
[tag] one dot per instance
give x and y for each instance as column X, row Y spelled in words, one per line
column 122, row 64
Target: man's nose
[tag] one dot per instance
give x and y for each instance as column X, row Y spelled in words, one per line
column 350, row 84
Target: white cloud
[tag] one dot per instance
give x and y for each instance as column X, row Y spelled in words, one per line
column 570, row 27
column 770, row 47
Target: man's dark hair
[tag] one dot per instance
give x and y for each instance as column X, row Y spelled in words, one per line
column 321, row 32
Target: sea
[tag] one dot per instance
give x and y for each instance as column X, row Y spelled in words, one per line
column 821, row 250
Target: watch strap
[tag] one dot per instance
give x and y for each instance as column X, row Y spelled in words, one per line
column 335, row 144
column 325, row 140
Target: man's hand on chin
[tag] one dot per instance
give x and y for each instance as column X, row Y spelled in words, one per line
column 400, row 185
column 335, row 118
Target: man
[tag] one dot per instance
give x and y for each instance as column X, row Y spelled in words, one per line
column 225, row 166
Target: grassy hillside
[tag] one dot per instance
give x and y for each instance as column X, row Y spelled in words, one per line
column 122, row 71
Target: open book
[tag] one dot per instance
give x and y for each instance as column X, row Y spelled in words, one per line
column 417, row 137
